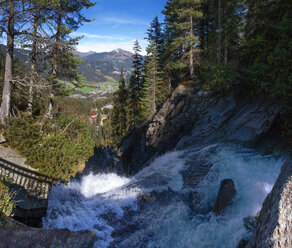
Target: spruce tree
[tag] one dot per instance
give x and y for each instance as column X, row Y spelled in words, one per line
column 182, row 20
column 267, row 51
column 68, row 17
column 119, row 118
column 155, row 34
column 221, row 28
column 155, row 87
column 10, row 33
column 136, row 89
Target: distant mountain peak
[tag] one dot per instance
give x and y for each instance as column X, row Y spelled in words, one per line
column 84, row 54
column 123, row 52
column 105, row 66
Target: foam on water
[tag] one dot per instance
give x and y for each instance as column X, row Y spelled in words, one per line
column 253, row 175
column 162, row 173
column 81, row 204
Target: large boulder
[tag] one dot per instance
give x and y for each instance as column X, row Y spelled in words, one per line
column 225, row 195
column 274, row 228
column 16, row 235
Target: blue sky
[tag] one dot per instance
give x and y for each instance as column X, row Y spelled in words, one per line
column 117, row 24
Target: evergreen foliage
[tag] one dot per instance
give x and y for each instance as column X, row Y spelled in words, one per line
column 120, row 110
column 7, row 198
column 182, row 19
column 23, row 133
column 155, row 35
column 58, row 148
column 218, row 77
column 62, row 155
column 136, row 89
column 267, row 52
column 155, row 86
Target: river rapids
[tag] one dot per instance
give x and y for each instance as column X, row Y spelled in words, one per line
column 153, row 209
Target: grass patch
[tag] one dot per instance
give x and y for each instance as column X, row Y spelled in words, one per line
column 110, row 79
column 85, row 89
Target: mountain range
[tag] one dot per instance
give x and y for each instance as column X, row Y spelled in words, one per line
column 96, row 67
column 105, row 66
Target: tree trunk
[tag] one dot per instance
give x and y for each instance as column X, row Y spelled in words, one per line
column 49, row 113
column 6, row 97
column 33, row 63
column 191, row 50
column 220, row 33
column 155, row 85
column 225, row 48
column 225, row 56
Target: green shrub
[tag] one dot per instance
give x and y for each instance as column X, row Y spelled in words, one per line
column 58, row 148
column 7, row 202
column 23, row 133
column 65, row 148
column 218, row 77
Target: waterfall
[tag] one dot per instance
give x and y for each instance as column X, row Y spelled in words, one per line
column 111, row 205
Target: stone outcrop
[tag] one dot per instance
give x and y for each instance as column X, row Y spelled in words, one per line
column 191, row 116
column 32, row 188
column 225, row 194
column 274, row 228
column 2, row 139
column 16, row 235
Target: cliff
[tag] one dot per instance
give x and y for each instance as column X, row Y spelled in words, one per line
column 274, row 227
column 193, row 116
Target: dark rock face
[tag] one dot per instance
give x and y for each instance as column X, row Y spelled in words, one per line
column 16, row 235
column 274, row 228
column 225, row 195
column 192, row 116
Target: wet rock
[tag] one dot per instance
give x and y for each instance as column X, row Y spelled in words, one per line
column 242, row 243
column 193, row 201
column 195, row 170
column 225, row 195
column 16, row 235
column 274, row 228
column 196, row 198
column 146, row 198
column 109, row 216
column 192, row 116
column 125, row 229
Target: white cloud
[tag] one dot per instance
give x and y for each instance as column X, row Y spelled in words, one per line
column 102, row 37
column 109, row 46
column 120, row 21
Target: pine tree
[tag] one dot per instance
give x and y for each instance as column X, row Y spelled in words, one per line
column 182, row 20
column 136, row 89
column 155, row 87
column 68, row 17
column 13, row 16
column 267, row 51
column 119, row 118
column 10, row 32
column 155, row 34
column 221, row 27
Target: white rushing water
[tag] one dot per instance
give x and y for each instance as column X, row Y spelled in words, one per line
column 82, row 204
